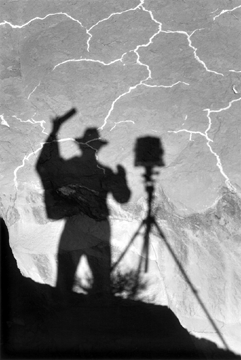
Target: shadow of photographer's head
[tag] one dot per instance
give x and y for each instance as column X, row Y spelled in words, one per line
column 91, row 139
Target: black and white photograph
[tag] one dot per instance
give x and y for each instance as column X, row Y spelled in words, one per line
column 120, row 179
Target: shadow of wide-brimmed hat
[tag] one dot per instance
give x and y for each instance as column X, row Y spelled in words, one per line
column 91, row 137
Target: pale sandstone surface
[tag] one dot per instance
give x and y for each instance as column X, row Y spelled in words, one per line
column 134, row 73
column 226, row 131
column 188, row 15
column 108, row 45
column 221, row 57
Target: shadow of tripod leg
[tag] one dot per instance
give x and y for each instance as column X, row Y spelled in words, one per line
column 128, row 246
column 195, row 292
column 144, row 256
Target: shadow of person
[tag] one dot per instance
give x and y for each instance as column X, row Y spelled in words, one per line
column 76, row 190
column 33, row 327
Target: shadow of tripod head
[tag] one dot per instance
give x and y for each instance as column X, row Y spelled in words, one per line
column 149, row 154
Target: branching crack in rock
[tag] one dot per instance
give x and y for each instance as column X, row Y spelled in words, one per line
column 143, row 82
column 205, row 134
column 193, row 47
column 34, row 152
column 107, row 18
column 27, row 157
column 32, row 121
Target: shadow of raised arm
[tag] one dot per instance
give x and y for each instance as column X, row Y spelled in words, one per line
column 48, row 159
column 47, row 150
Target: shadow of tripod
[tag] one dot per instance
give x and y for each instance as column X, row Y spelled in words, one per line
column 149, row 154
column 146, row 223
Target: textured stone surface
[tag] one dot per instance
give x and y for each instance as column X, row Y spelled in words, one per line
column 169, row 69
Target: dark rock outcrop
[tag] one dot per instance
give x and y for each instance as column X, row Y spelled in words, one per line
column 36, row 325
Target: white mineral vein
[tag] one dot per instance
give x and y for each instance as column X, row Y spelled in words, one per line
column 31, row 93
column 41, row 19
column 33, row 121
column 23, row 121
column 3, row 121
column 122, row 121
column 89, row 60
column 226, row 11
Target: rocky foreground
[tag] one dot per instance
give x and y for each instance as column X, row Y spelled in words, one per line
column 37, row 325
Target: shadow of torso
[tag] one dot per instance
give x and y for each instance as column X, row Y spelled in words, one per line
column 76, row 190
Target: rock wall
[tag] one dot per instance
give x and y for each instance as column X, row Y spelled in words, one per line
column 132, row 69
